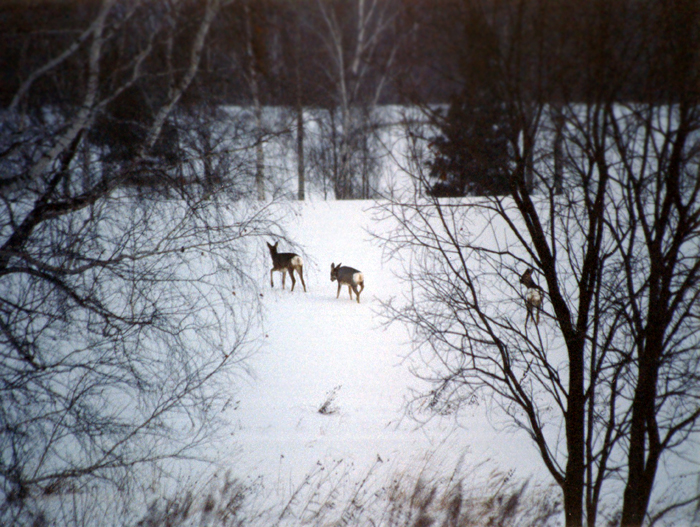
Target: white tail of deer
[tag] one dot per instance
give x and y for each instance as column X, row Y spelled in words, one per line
column 349, row 277
column 533, row 302
column 286, row 263
column 533, row 297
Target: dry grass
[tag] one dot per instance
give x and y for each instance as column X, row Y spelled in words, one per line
column 333, row 496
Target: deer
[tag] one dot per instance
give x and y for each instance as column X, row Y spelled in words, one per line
column 533, row 297
column 286, row 263
column 350, row 277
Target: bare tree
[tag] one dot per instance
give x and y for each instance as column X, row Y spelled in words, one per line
column 122, row 308
column 606, row 385
column 610, row 375
column 299, row 110
column 359, row 45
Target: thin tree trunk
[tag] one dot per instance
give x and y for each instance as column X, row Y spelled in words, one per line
column 257, row 107
column 259, row 154
column 186, row 80
column 301, row 177
column 300, row 151
column 558, row 119
column 85, row 114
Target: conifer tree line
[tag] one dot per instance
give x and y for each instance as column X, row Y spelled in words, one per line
column 289, row 43
column 342, row 59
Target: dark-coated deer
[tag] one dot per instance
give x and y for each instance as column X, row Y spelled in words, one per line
column 286, row 263
column 350, row 277
column 533, row 297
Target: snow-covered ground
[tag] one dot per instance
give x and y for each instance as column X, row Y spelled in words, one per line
column 319, row 349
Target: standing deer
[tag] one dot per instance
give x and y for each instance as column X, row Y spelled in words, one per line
column 286, row 262
column 533, row 297
column 350, row 277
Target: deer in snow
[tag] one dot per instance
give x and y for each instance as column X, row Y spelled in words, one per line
column 286, row 263
column 350, row 277
column 533, row 297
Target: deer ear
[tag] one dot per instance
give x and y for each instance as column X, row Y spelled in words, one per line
column 332, row 267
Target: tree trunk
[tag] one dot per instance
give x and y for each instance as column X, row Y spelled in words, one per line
column 574, row 474
column 259, row 154
column 300, row 124
column 574, row 336
column 644, row 447
column 257, row 105
column 300, row 152
column 641, row 472
column 558, row 119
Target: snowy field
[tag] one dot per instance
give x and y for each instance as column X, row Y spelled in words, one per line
column 322, row 350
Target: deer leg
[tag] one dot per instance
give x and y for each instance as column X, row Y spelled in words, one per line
column 529, row 314
column 291, row 275
column 350, row 291
column 284, row 277
column 272, row 284
column 339, row 286
column 300, row 270
column 537, row 320
column 357, row 293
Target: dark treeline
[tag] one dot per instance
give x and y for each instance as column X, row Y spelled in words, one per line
column 285, row 45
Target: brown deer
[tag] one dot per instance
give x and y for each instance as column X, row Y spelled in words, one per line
column 526, row 279
column 533, row 297
column 286, row 262
column 349, row 277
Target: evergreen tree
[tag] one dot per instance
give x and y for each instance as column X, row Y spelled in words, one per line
column 472, row 150
column 472, row 154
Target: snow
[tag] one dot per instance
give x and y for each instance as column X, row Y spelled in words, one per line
column 321, row 350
